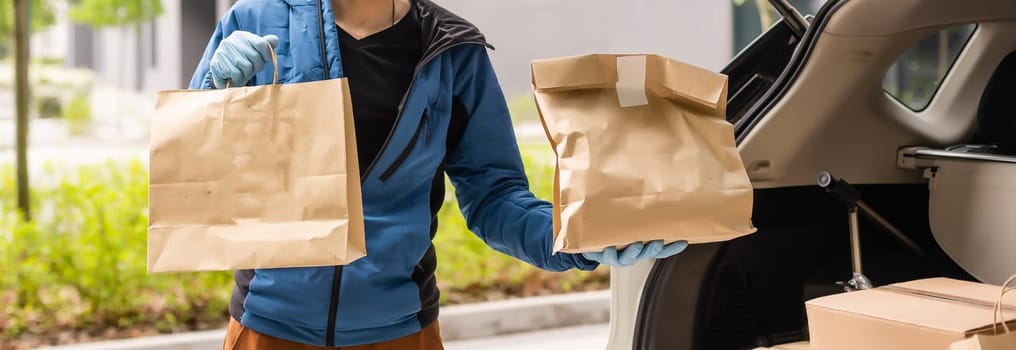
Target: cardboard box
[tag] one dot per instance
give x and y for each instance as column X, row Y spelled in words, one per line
column 794, row 346
column 928, row 314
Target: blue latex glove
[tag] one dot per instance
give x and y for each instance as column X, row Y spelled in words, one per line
column 636, row 252
column 239, row 57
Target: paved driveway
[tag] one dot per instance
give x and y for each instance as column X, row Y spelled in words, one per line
column 582, row 337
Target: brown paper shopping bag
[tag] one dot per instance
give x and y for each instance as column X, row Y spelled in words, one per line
column 254, row 177
column 643, row 152
column 1000, row 341
column 1001, row 336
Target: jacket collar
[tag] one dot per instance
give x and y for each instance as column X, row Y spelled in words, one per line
column 443, row 29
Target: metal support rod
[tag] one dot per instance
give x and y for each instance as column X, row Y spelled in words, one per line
column 21, row 25
column 855, row 241
column 794, row 19
column 859, row 281
column 850, row 198
column 868, row 211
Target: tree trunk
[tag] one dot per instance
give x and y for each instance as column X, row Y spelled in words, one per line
column 21, row 25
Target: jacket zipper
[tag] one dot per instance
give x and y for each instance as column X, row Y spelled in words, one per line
column 402, row 104
column 321, row 33
column 337, row 278
column 409, row 148
column 333, row 308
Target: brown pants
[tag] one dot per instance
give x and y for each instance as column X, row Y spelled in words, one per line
column 239, row 337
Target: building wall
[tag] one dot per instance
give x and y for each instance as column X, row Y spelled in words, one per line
column 695, row 31
column 155, row 56
column 164, row 72
column 197, row 25
column 52, row 42
column 182, row 35
column 115, row 62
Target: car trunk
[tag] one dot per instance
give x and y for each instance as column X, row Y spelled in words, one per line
column 750, row 292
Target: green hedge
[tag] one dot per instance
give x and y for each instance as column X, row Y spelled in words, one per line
column 81, row 264
column 469, row 271
column 54, row 86
column 79, row 267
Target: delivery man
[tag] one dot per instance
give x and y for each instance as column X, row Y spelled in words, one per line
column 426, row 102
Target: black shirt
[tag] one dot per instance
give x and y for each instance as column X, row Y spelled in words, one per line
column 379, row 69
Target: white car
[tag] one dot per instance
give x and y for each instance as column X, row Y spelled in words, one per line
column 913, row 102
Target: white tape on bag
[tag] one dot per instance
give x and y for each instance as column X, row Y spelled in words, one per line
column 631, row 81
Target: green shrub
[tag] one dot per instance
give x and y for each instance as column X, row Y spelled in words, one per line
column 53, row 86
column 78, row 116
column 49, row 61
column 523, row 108
column 48, row 106
column 80, row 266
column 469, row 271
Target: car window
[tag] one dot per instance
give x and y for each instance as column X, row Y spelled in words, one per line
column 917, row 74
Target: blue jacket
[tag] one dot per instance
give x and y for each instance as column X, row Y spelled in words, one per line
column 453, row 120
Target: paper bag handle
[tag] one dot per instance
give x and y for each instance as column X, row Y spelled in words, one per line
column 275, row 67
column 997, row 312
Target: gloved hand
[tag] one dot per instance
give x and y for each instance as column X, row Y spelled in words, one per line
column 239, row 57
column 636, row 252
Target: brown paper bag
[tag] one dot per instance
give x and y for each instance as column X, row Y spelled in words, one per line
column 254, row 177
column 644, row 152
column 1001, row 336
column 1001, row 341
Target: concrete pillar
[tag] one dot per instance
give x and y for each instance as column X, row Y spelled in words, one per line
column 198, row 19
column 81, row 47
